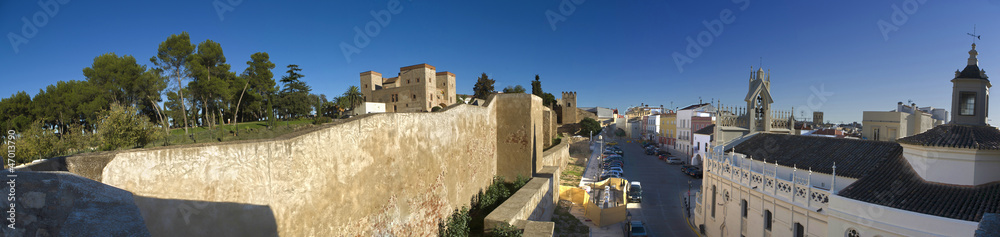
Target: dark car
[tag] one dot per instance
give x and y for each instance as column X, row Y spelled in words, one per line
column 693, row 171
column 635, row 192
column 635, row 229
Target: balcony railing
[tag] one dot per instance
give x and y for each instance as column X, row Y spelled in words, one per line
column 742, row 171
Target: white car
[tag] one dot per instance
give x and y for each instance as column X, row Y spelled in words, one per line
column 674, row 160
column 614, row 169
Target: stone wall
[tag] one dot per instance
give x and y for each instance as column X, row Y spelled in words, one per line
column 535, row 201
column 382, row 174
column 557, row 155
column 375, row 174
column 519, row 136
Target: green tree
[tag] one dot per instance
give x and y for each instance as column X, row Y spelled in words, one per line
column 483, row 87
column 294, row 100
column 514, row 89
column 548, row 100
column 122, row 80
column 261, row 85
column 15, row 112
column 211, row 79
column 171, row 58
column 67, row 102
column 588, row 125
column 352, row 98
column 536, row 87
column 123, row 127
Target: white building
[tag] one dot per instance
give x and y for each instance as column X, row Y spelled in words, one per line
column 653, row 126
column 369, row 107
column 938, row 183
column 684, row 131
column 702, row 143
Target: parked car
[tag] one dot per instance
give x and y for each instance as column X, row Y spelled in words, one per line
column 650, row 152
column 635, row 192
column 610, row 175
column 684, row 168
column 617, row 169
column 635, row 229
column 673, row 160
column 695, row 172
column 663, row 153
column 612, row 143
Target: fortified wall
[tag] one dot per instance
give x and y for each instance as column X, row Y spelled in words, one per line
column 376, row 174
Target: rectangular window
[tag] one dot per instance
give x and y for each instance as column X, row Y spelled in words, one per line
column 713, row 202
column 767, row 219
column 967, row 103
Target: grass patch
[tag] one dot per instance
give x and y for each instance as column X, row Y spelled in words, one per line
column 240, row 131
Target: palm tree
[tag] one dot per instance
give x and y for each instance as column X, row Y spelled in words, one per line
column 353, row 97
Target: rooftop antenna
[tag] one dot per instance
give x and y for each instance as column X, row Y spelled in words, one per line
column 762, row 59
column 974, row 35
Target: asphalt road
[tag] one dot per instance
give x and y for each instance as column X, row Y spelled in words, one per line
column 663, row 185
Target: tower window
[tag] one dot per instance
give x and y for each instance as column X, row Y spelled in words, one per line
column 767, row 219
column 418, row 79
column 743, row 205
column 967, row 103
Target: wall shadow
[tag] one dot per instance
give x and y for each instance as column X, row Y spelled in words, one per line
column 177, row 217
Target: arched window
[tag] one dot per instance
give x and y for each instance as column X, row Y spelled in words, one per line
column 767, row 219
column 851, row 232
column 800, row 231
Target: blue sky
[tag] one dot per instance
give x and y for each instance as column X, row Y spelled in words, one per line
column 613, row 53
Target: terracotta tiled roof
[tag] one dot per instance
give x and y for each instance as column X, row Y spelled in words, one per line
column 959, row 136
column 709, row 130
column 854, row 158
column 895, row 184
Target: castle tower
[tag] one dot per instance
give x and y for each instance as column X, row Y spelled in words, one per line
column 445, row 84
column 970, row 96
column 370, row 81
column 568, row 104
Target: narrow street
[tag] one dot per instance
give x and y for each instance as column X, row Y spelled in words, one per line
column 663, row 186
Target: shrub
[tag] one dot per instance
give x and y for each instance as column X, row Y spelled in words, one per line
column 457, row 224
column 436, row 109
column 321, row 120
column 505, row 230
column 495, row 194
column 35, row 143
column 123, row 127
column 520, row 182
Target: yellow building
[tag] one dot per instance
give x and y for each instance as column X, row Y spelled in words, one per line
column 668, row 127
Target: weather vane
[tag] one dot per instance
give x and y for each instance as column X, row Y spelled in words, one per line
column 974, row 35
